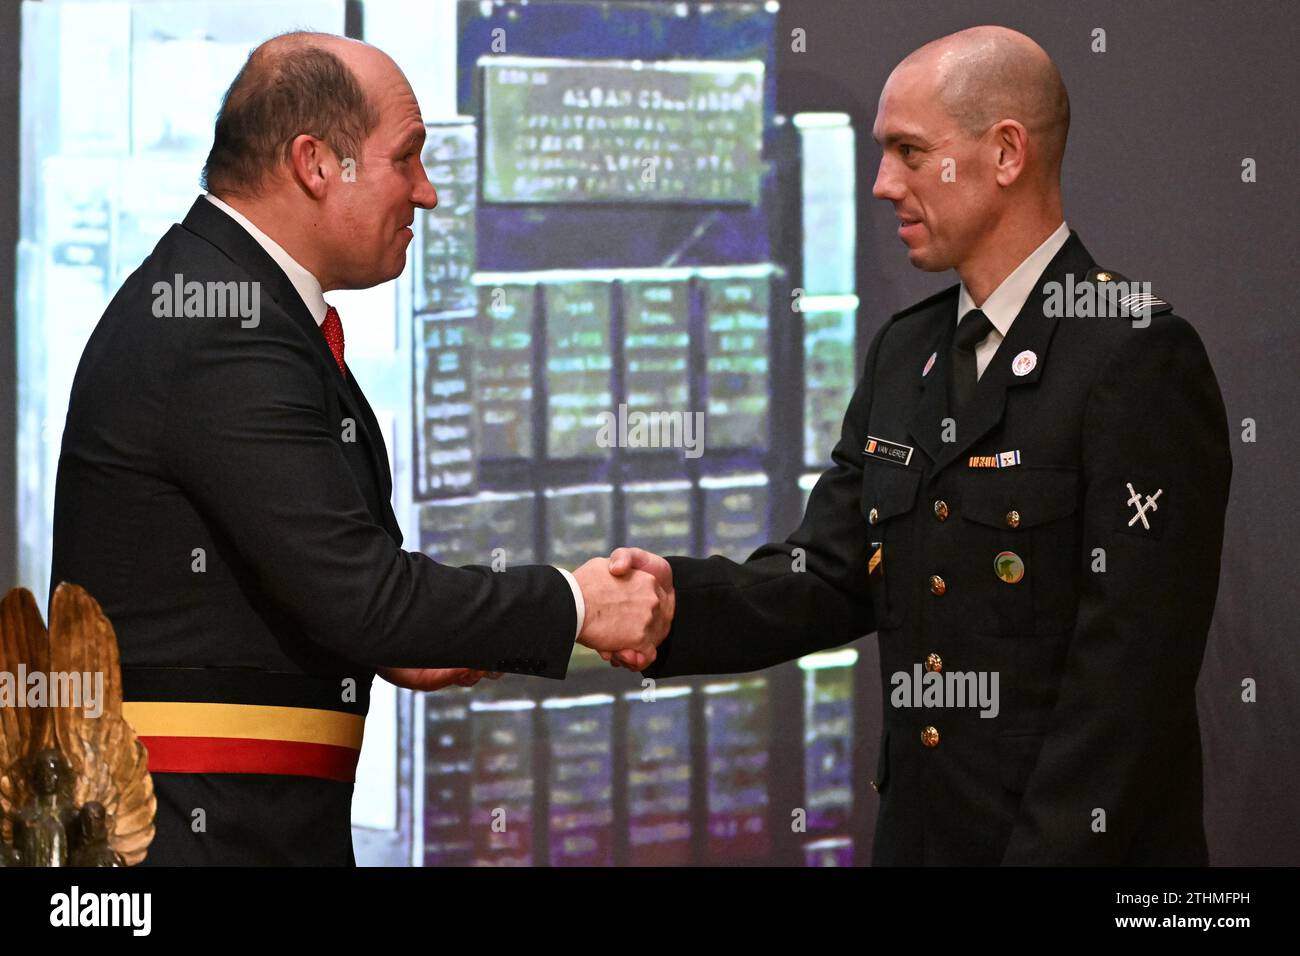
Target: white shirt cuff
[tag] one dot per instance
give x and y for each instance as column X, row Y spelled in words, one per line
column 579, row 604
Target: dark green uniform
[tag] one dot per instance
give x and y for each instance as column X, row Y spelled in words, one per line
column 1063, row 534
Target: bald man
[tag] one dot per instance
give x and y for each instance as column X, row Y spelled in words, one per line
column 224, row 490
column 1026, row 504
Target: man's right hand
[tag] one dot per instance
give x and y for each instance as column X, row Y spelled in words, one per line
column 629, row 613
column 624, row 561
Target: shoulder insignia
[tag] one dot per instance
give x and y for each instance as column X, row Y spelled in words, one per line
column 1132, row 297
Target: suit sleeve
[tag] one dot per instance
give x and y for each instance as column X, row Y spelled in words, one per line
column 789, row 598
column 248, row 440
column 1127, row 702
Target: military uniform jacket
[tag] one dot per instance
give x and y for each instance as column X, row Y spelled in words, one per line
column 1082, row 571
column 223, row 492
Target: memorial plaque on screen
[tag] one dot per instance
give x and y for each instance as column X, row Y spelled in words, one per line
column 445, row 462
column 656, row 338
column 444, row 255
column 659, row 777
column 736, row 364
column 581, row 780
column 572, row 131
column 494, row 529
column 658, row 516
column 503, row 371
column 738, row 735
column 829, row 379
column 501, row 796
column 735, row 515
column 577, row 524
column 828, row 739
column 578, row 365
column 448, row 765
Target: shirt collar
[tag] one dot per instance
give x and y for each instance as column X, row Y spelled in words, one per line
column 1006, row 301
column 306, row 284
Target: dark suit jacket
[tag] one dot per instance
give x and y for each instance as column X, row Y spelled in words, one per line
column 1094, row 756
column 188, row 433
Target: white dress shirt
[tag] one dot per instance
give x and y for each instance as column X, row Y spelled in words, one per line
column 308, row 288
column 1005, row 302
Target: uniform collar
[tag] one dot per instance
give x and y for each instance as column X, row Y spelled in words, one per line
column 306, row 284
column 1006, row 301
column 1028, row 337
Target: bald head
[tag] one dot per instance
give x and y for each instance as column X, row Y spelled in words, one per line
column 987, row 74
column 294, row 83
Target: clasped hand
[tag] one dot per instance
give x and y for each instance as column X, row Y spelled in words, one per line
column 630, row 604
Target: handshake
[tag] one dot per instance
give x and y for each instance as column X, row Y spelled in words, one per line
column 630, row 603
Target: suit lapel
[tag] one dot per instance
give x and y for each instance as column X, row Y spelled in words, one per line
column 378, row 458
column 206, row 220
column 1030, row 332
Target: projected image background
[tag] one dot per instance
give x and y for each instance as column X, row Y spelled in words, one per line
column 625, row 225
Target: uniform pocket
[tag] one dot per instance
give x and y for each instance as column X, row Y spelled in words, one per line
column 1023, row 536
column 1017, row 499
column 888, row 500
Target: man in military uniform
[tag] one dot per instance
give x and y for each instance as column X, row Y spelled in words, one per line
column 1027, row 498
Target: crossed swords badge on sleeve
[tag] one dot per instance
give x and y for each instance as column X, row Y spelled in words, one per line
column 1135, row 499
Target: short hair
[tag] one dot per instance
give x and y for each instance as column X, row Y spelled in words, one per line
column 289, row 85
column 1026, row 90
column 986, row 74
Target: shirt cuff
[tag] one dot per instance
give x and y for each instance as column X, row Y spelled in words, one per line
column 579, row 604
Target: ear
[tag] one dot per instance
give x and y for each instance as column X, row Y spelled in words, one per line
column 312, row 163
column 1010, row 140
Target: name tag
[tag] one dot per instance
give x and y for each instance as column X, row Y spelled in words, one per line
column 887, row 450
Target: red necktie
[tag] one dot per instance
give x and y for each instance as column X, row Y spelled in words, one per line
column 333, row 330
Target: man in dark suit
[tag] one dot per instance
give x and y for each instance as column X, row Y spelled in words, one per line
column 1026, row 503
column 223, row 489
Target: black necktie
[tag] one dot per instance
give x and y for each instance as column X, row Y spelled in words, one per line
column 971, row 330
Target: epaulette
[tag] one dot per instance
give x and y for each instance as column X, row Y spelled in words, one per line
column 926, row 302
column 1138, row 299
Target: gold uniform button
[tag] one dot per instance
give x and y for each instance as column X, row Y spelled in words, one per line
column 873, row 517
column 1103, row 277
column 875, row 787
column 933, row 662
column 941, row 510
column 930, row 737
column 1013, row 519
column 937, row 585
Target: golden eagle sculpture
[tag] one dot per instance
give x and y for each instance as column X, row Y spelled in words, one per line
column 75, row 788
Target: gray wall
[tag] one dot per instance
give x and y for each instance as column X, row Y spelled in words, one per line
column 1153, row 186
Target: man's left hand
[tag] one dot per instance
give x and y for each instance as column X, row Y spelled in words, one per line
column 434, row 678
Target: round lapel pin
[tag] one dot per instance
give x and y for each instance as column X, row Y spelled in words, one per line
column 1009, row 567
column 929, row 364
column 1024, row 363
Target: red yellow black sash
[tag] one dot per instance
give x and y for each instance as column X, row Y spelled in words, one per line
column 197, row 720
